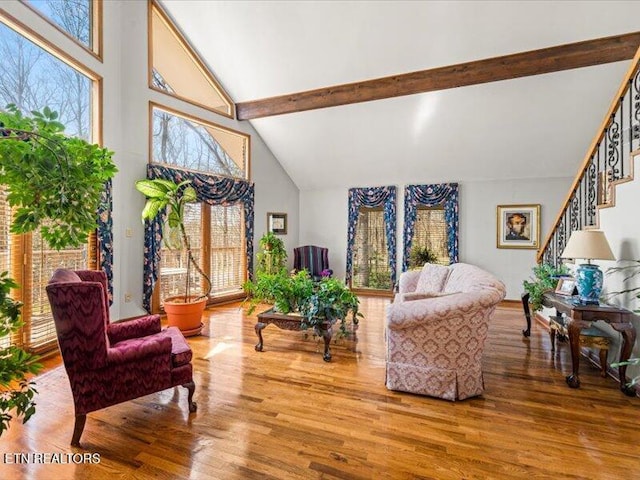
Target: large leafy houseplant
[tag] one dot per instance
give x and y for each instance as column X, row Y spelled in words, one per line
column 166, row 194
column 545, row 277
column 183, row 311
column 54, row 183
column 328, row 300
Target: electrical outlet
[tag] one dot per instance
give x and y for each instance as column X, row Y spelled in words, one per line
column 127, row 297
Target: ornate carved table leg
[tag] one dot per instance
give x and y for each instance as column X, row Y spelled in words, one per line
column 259, row 327
column 527, row 314
column 574, row 326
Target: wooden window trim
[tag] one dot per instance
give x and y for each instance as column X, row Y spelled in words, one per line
column 96, row 28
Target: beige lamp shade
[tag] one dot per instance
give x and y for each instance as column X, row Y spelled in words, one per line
column 588, row 245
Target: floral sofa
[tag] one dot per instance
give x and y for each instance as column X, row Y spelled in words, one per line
column 436, row 329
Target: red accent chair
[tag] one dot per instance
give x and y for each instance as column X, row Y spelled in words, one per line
column 109, row 363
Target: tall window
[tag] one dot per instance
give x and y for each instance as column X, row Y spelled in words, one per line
column 177, row 70
column 79, row 19
column 431, row 232
column 217, row 232
column 370, row 256
column 32, row 77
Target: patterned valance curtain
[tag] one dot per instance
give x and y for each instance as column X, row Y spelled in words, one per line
column 373, row 197
column 105, row 235
column 211, row 189
column 445, row 194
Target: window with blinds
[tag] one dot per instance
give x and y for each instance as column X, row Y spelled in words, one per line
column 370, row 255
column 43, row 261
column 227, row 249
column 173, row 263
column 430, row 232
column 35, row 76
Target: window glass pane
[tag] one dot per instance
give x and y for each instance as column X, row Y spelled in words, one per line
column 370, row 255
column 32, row 78
column 431, row 233
column 72, row 16
column 179, row 71
column 227, row 249
column 173, row 263
column 197, row 146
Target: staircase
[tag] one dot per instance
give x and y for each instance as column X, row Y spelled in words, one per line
column 609, row 161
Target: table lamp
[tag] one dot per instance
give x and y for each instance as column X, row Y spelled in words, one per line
column 588, row 245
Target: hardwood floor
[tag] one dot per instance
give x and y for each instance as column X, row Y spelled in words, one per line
column 286, row 414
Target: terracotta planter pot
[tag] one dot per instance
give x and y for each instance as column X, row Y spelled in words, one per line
column 186, row 316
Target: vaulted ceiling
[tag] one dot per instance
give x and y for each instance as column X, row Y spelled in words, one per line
column 530, row 127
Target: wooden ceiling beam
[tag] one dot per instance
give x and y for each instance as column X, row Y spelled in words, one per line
column 534, row 62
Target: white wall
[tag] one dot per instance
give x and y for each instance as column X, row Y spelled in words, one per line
column 125, row 130
column 323, row 221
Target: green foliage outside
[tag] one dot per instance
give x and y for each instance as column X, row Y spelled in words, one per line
column 166, row 194
column 545, row 278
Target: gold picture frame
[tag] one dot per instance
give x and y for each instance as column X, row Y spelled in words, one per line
column 277, row 223
column 566, row 286
column 518, row 226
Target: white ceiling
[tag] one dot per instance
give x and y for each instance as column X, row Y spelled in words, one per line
column 537, row 126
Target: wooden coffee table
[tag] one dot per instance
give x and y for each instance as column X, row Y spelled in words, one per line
column 291, row 322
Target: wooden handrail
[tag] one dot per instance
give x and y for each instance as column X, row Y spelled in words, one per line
column 633, row 69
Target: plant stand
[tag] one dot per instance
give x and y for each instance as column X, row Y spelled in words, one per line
column 293, row 323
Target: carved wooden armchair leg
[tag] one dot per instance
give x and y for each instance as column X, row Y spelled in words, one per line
column 77, row 430
column 191, row 386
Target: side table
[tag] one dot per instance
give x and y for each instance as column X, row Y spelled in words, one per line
column 581, row 317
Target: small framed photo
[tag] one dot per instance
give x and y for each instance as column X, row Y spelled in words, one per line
column 277, row 223
column 518, row 226
column 565, row 286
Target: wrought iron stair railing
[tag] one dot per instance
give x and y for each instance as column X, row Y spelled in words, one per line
column 606, row 163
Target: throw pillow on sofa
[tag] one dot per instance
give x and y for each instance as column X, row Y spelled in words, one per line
column 432, row 278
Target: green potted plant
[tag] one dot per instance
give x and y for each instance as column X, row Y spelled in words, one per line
column 54, row 183
column 183, row 311
column 273, row 256
column 545, row 278
column 420, row 255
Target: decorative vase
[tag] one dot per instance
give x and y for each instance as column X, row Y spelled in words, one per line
column 589, row 283
column 187, row 316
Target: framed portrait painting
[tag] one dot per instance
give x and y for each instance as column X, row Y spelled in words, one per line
column 277, row 223
column 518, row 226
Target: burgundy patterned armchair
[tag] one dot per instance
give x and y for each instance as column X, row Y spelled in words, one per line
column 112, row 363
